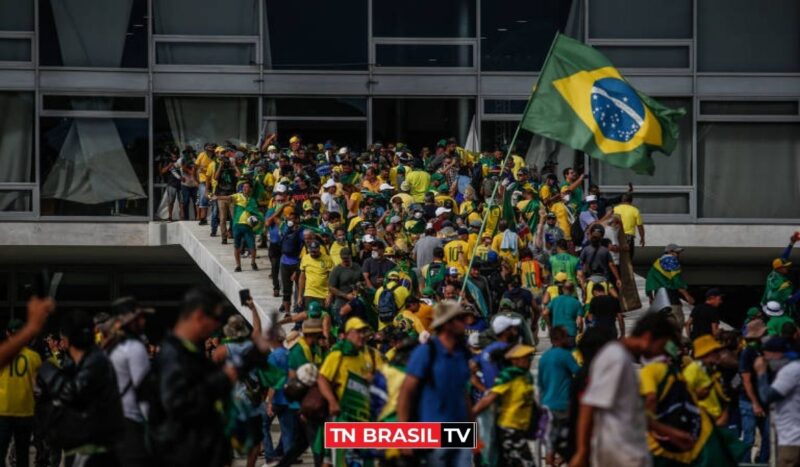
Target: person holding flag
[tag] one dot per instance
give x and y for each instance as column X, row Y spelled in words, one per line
column 248, row 223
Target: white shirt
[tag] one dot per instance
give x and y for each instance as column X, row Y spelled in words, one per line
column 611, row 233
column 329, row 202
column 786, row 413
column 619, row 424
column 131, row 364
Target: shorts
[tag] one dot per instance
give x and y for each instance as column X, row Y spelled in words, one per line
column 243, row 237
column 171, row 193
column 202, row 199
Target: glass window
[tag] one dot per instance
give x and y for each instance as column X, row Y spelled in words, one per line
column 352, row 134
column 748, row 36
column 634, row 19
column 516, row 36
column 85, row 286
column 93, row 33
column 749, row 107
column 646, row 57
column 675, row 169
column 422, row 18
column 16, row 15
column 421, row 122
column 15, row 201
column 15, row 50
column 500, row 106
column 16, row 144
column 196, row 120
column 661, row 203
column 205, row 53
column 315, row 107
column 93, row 166
column 423, row 55
column 105, row 103
column 748, row 170
column 333, row 38
column 206, row 17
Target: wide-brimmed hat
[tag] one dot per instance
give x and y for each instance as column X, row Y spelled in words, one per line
column 312, row 326
column 772, row 308
column 236, row 327
column 704, row 345
column 519, row 351
column 445, row 311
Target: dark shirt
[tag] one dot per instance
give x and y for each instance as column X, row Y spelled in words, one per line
column 344, row 278
column 592, row 262
column 377, row 269
column 703, row 316
column 604, row 310
column 746, row 360
column 523, row 298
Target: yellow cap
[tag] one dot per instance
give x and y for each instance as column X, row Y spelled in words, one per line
column 780, row 263
column 355, row 324
column 307, row 206
column 389, row 251
column 519, row 351
column 561, row 277
column 704, row 345
column 219, row 149
column 294, row 139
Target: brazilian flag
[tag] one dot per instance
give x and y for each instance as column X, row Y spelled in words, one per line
column 582, row 100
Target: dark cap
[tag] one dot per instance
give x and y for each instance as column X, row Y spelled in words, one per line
column 777, row 344
column 314, row 245
column 463, row 231
column 713, row 292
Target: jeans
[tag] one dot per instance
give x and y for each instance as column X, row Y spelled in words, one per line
column 214, row 217
column 20, row 429
column 450, row 457
column 275, row 264
column 287, row 419
column 749, row 424
column 188, row 194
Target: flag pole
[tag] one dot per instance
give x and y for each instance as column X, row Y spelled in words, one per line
column 503, row 166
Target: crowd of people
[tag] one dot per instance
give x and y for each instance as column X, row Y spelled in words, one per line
column 414, row 286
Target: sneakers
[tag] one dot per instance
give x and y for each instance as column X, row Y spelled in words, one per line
column 203, row 222
column 237, row 269
column 254, row 266
column 276, row 293
column 224, row 241
column 213, row 234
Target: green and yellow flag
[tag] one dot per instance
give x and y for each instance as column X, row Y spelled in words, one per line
column 583, row 101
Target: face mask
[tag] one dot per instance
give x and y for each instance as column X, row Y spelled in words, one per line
column 671, row 349
column 417, row 215
column 290, row 223
column 375, row 255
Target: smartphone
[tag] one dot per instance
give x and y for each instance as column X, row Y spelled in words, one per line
column 244, row 296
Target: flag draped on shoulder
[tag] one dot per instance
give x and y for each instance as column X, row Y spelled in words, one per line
column 582, row 100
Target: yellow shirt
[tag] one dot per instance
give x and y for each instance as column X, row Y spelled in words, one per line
column 202, row 162
column 516, row 403
column 210, row 170
column 317, row 272
column 631, row 218
column 400, row 296
column 241, row 200
column 532, row 276
column 407, row 320
column 335, row 250
column 562, row 218
column 355, row 199
column 509, row 255
column 545, row 192
column 425, row 315
column 471, row 242
column 371, row 186
column 492, row 219
column 16, row 384
column 363, row 365
column 418, row 182
column 698, row 379
column 408, row 200
column 474, row 216
column 440, row 199
column 482, row 252
column 455, row 253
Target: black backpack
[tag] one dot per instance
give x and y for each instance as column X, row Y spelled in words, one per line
column 387, row 307
column 577, row 232
column 677, row 408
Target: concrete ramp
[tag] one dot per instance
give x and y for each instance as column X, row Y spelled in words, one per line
column 216, row 261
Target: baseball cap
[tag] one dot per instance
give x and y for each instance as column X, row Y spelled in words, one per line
column 672, row 248
column 368, row 238
column 780, row 263
column 395, row 220
column 280, row 188
column 452, row 271
column 519, row 351
column 713, row 292
column 313, row 245
column 312, row 326
column 591, row 198
column 550, row 215
column 385, row 186
column 329, row 183
column 463, row 231
column 294, row 139
column 441, row 210
column 561, row 277
column 343, row 150
column 355, row 324
column 503, row 322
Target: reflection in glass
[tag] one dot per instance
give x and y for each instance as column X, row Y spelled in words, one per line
column 423, row 18
column 93, row 166
column 205, row 53
column 16, row 143
column 196, row 120
column 315, row 107
column 16, row 15
column 421, row 122
column 633, row 19
column 423, row 55
column 15, row 201
column 206, row 17
column 15, row 50
column 93, row 33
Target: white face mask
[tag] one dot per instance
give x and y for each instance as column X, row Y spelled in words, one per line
column 375, row 255
column 290, row 223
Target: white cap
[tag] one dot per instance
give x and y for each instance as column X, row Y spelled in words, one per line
column 503, row 322
column 474, row 340
column 343, row 150
column 272, row 147
column 367, row 238
column 441, row 210
column 329, row 183
column 395, row 220
column 452, row 271
column 591, row 198
column 773, row 308
column 385, row 186
column 429, row 225
column 280, row 188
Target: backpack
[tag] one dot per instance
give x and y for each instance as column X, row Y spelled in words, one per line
column 436, row 274
column 677, row 408
column 159, row 435
column 387, row 307
column 577, row 232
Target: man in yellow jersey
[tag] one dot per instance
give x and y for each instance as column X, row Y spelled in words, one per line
column 418, row 181
column 533, row 275
column 17, row 381
column 201, row 164
column 315, row 268
column 456, row 252
column 246, row 217
column 394, row 287
column 631, row 220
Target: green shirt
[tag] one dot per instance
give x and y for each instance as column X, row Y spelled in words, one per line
column 566, row 263
column 775, row 324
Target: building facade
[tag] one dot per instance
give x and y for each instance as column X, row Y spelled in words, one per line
column 92, row 90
